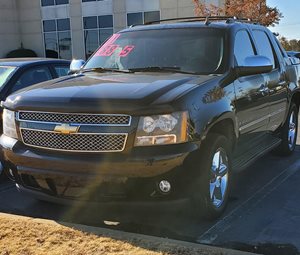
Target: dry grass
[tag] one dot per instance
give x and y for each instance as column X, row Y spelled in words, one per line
column 26, row 236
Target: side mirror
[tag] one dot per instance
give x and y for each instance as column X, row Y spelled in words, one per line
column 255, row 65
column 76, row 65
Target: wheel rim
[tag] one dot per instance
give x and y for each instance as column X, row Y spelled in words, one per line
column 219, row 178
column 292, row 130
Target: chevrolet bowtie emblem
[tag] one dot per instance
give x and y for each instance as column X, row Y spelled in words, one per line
column 66, row 129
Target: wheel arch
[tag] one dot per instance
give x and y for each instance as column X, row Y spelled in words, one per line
column 296, row 98
column 224, row 126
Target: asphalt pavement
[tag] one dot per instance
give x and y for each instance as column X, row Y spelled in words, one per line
column 263, row 215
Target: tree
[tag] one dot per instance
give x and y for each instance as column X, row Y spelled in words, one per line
column 285, row 43
column 256, row 10
column 290, row 45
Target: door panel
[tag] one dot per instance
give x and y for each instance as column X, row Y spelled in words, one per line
column 252, row 105
column 275, row 80
column 278, row 98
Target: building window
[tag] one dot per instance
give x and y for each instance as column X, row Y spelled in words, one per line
column 139, row 18
column 57, row 36
column 90, row 0
column 54, row 2
column 96, row 31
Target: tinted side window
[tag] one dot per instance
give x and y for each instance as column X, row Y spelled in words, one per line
column 32, row 76
column 280, row 47
column 264, row 46
column 243, row 47
column 62, row 70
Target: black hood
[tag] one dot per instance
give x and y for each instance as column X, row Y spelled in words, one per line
column 109, row 92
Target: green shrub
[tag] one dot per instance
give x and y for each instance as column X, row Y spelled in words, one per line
column 21, row 53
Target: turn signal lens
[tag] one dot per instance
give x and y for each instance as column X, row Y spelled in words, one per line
column 9, row 124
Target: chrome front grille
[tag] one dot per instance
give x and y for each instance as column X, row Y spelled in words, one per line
column 78, row 118
column 79, row 142
column 74, row 132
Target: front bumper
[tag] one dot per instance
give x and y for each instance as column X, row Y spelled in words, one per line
column 101, row 177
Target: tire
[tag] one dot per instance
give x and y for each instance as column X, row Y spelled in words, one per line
column 289, row 133
column 212, row 188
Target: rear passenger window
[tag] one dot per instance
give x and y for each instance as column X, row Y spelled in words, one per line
column 264, row 46
column 243, row 47
column 32, row 76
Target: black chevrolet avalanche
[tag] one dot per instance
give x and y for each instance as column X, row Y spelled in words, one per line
column 161, row 112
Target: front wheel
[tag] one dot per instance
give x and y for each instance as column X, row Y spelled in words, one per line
column 289, row 133
column 211, row 196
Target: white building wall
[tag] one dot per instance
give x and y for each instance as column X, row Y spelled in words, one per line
column 120, row 16
column 30, row 25
column 176, row 8
column 97, row 8
column 76, row 14
column 9, row 27
column 142, row 5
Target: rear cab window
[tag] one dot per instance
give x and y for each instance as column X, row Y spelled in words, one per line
column 264, row 46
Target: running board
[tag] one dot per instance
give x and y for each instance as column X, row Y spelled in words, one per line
column 266, row 144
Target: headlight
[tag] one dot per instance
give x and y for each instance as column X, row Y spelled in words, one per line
column 9, row 124
column 162, row 129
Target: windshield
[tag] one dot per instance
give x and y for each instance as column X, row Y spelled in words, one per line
column 5, row 73
column 194, row 50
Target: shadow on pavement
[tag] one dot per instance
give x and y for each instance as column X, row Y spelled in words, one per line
column 266, row 248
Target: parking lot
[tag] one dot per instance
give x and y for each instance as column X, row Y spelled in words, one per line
column 263, row 213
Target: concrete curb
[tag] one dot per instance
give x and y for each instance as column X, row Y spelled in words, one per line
column 125, row 236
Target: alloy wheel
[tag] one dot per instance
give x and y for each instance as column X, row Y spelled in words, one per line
column 219, row 178
column 292, row 130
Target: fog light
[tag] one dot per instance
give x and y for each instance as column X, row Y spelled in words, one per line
column 164, row 186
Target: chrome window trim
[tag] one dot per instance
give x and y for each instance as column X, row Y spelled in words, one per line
column 80, row 151
column 74, row 123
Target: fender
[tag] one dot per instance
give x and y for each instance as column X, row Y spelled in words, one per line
column 293, row 92
column 215, row 105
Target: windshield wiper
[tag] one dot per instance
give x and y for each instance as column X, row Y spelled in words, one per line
column 171, row 69
column 103, row 70
column 138, row 69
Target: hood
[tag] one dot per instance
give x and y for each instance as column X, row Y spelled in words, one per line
column 90, row 92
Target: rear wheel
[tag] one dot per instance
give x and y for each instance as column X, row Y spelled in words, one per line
column 211, row 194
column 289, row 133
